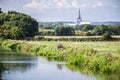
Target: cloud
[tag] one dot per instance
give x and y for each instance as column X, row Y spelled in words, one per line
column 48, row 10
column 98, row 4
column 75, row 4
column 35, row 4
column 62, row 4
column 45, row 4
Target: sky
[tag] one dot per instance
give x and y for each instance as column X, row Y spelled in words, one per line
column 66, row 10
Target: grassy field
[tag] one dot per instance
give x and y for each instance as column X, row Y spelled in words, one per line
column 96, row 56
column 75, row 38
column 46, row 30
column 102, row 47
column 57, row 37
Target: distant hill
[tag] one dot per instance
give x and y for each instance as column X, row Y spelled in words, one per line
column 105, row 23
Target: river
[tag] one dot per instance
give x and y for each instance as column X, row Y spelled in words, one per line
column 24, row 67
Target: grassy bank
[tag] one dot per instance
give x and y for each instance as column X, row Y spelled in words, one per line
column 103, row 57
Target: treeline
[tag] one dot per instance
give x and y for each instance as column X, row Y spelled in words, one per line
column 15, row 25
column 81, row 30
column 49, row 25
column 100, row 29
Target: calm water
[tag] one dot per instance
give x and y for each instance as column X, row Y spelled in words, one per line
column 37, row 68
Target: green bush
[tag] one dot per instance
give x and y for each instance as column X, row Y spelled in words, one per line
column 88, row 34
column 64, row 31
column 116, row 67
column 106, row 36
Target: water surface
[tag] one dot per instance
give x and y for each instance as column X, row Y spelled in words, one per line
column 37, row 68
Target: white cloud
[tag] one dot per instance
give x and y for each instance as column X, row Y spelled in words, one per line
column 43, row 4
column 99, row 4
column 47, row 4
column 32, row 4
column 62, row 4
column 75, row 4
column 35, row 4
column 84, row 5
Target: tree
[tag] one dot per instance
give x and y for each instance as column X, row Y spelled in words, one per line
column 101, row 29
column 20, row 25
column 115, row 29
column 16, row 33
column 86, row 27
column 64, row 31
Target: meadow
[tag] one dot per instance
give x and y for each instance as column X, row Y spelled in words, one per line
column 102, row 57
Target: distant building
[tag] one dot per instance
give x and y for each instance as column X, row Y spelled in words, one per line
column 79, row 19
column 69, row 23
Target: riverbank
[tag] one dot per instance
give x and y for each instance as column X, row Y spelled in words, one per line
column 103, row 57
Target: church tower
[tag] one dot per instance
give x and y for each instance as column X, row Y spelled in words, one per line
column 79, row 18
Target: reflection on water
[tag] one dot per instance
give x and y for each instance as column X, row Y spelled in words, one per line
column 24, row 67
column 13, row 62
column 1, row 69
column 60, row 66
column 21, row 67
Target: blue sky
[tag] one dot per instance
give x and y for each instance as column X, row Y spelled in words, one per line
column 66, row 10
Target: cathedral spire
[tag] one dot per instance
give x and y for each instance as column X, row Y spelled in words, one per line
column 79, row 17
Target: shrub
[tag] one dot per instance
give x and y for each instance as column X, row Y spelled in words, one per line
column 97, row 63
column 106, row 36
column 88, row 34
column 116, row 67
column 64, row 31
